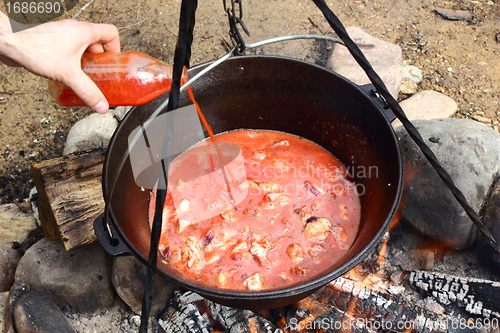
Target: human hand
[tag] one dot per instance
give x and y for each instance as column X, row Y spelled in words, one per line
column 54, row 50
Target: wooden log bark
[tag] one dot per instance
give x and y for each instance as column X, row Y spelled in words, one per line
column 70, row 196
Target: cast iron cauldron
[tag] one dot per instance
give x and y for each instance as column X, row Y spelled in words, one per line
column 262, row 92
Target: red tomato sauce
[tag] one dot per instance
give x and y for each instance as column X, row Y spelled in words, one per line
column 301, row 214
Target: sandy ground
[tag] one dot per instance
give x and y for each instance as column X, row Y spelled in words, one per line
column 458, row 58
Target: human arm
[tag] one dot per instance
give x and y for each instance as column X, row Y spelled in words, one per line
column 54, row 50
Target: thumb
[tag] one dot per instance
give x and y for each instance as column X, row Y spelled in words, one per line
column 88, row 92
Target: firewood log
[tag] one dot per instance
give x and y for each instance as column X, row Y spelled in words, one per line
column 70, row 196
column 476, row 296
column 354, row 307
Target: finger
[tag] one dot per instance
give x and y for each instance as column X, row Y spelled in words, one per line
column 107, row 35
column 95, row 48
column 113, row 45
column 88, row 92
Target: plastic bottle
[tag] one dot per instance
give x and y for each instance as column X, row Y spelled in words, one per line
column 125, row 78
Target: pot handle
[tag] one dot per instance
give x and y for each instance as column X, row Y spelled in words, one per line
column 369, row 89
column 112, row 244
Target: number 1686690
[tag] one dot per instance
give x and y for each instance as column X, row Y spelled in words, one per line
column 33, row 7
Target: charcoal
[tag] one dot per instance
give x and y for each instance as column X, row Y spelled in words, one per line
column 190, row 313
column 476, row 296
column 182, row 315
column 363, row 309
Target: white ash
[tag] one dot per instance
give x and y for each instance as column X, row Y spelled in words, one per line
column 117, row 319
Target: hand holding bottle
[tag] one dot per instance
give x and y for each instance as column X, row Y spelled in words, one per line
column 125, row 78
column 54, row 50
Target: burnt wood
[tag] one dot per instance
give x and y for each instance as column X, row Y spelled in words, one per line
column 369, row 308
column 344, row 305
column 189, row 312
column 70, row 196
column 476, row 296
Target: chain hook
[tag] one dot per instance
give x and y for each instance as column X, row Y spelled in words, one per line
column 235, row 14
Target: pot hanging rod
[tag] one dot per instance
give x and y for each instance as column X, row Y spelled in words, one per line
column 182, row 57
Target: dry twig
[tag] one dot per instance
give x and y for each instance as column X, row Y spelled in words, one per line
column 130, row 26
column 78, row 13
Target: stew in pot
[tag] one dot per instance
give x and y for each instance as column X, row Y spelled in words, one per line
column 300, row 214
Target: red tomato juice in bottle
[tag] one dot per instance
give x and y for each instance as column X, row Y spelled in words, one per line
column 125, row 78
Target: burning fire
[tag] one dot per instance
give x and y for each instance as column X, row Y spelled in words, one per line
column 355, row 282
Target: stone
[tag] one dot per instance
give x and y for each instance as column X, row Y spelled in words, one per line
column 19, row 288
column 412, row 73
column 129, row 275
column 385, row 58
column 455, row 15
column 486, row 253
column 120, row 112
column 410, row 77
column 79, row 279
column 3, row 300
column 91, row 132
column 427, row 104
column 408, row 87
column 470, row 152
column 15, row 224
column 9, row 259
column 35, row 312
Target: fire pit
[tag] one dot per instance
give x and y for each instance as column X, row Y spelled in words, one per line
column 406, row 284
column 392, row 290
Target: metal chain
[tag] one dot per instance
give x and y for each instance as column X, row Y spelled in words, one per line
column 235, row 15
